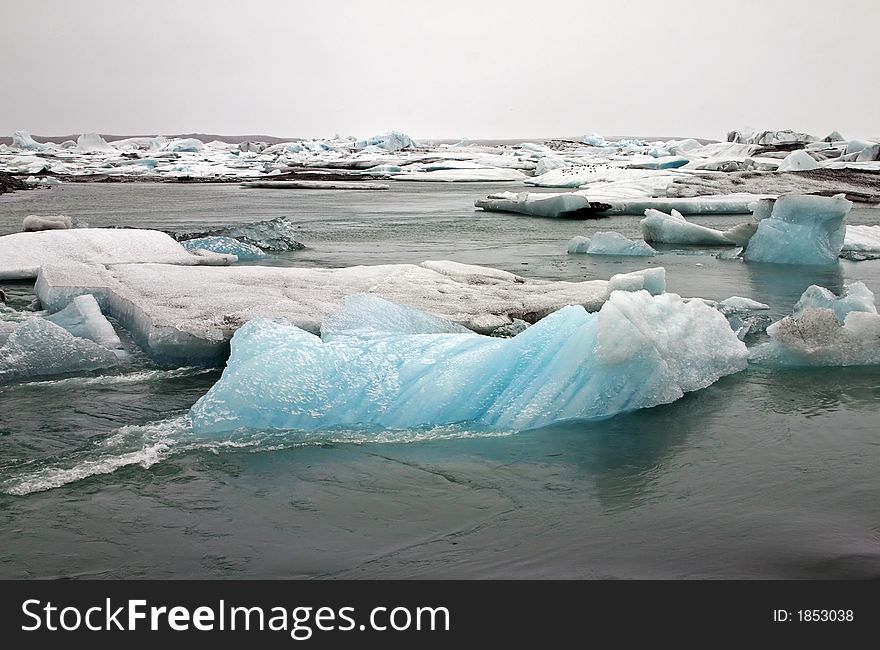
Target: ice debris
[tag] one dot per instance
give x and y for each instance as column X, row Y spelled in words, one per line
column 638, row 351
column 675, row 229
column 35, row 223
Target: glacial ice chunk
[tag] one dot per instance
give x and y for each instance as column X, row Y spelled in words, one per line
column 675, row 229
column 226, row 246
column 38, row 347
column 801, row 230
column 83, row 318
column 856, row 297
column 638, row 351
column 651, row 280
column 797, row 161
column 364, row 316
column 825, row 330
column 865, row 239
column 278, row 234
column 34, row 222
column 609, row 243
column 739, row 303
column 92, row 142
column 23, row 140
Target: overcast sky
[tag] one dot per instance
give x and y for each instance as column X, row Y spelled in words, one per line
column 471, row 68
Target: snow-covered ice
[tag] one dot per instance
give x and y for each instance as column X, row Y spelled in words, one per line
column 797, row 161
column 22, row 254
column 609, row 243
column 638, row 351
column 800, row 230
column 187, row 314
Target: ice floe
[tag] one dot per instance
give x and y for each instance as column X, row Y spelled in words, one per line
column 187, row 314
column 23, row 254
column 638, row 351
column 225, row 246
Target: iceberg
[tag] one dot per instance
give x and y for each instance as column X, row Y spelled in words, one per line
column 226, row 246
column 563, row 206
column 738, row 303
column 825, row 330
column 797, row 161
column 856, row 297
column 862, row 239
column 23, row 140
column 609, row 243
column 83, row 318
column 91, row 143
column 800, row 230
column 675, row 229
column 315, row 185
column 38, row 347
column 393, row 141
column 186, row 315
column 638, row 351
column 661, row 162
column 23, row 254
column 34, row 223
column 278, row 234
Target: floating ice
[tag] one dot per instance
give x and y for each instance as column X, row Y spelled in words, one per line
column 187, row 315
column 83, row 318
column 675, row 229
column 801, row 230
column 797, row 161
column 739, row 303
column 565, row 206
column 825, row 331
column 225, row 245
column 316, row 185
column 37, row 347
column 609, row 243
column 856, row 297
column 22, row 254
column 393, row 141
column 480, row 175
column 278, row 234
column 34, row 223
column 92, row 142
column 662, row 162
column 865, row 239
column 23, row 140
column 638, row 351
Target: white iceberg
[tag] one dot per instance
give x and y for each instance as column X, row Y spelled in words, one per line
column 91, row 143
column 23, row 140
column 83, row 318
column 479, row 175
column 609, row 243
column 38, row 347
column 563, row 206
column 800, row 230
column 22, row 254
column 738, row 303
column 797, row 161
column 825, row 331
column 187, row 314
column 865, row 239
column 675, row 229
column 35, row 223
column 638, row 351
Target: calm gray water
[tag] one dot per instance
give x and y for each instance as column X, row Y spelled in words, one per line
column 768, row 473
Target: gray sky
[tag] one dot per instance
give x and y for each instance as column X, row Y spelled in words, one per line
column 472, row 68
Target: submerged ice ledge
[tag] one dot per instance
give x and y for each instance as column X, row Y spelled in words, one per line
column 380, row 365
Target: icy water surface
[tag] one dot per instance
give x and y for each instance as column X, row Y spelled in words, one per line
column 768, row 473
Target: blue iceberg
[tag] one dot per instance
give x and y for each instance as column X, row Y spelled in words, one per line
column 801, row 230
column 383, row 366
column 225, row 245
column 609, row 243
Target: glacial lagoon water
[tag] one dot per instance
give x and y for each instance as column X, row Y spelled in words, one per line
column 767, row 473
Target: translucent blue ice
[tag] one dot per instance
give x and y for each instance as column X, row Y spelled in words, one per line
column 801, row 230
column 609, row 243
column 386, row 366
column 227, row 245
column 83, row 318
